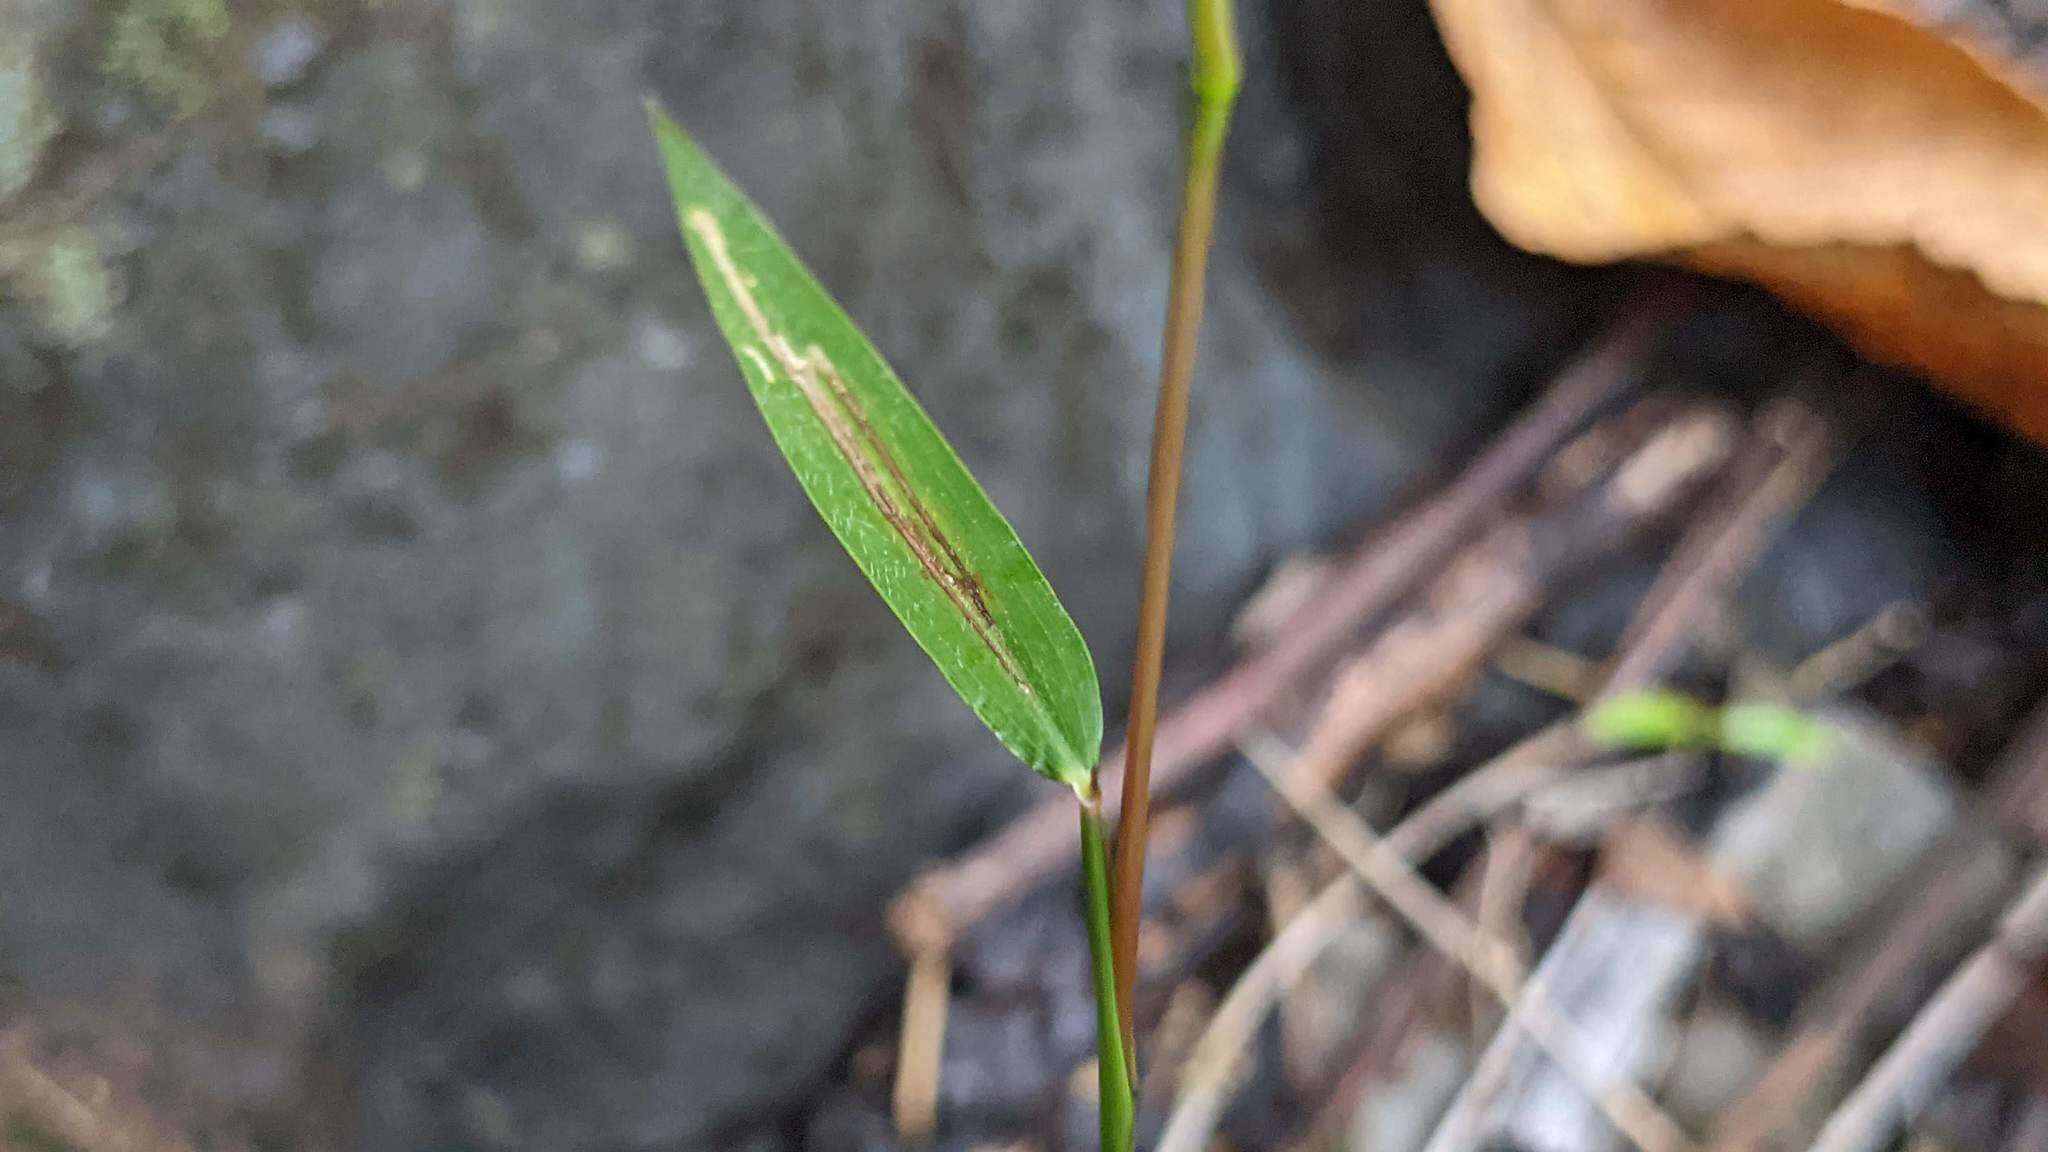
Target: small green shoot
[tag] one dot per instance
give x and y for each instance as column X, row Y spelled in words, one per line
column 1772, row 732
column 1659, row 719
column 1650, row 720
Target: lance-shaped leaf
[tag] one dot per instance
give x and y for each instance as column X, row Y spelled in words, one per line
column 890, row 487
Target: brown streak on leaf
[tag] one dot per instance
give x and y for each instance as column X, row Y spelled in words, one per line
column 959, row 573
column 841, row 413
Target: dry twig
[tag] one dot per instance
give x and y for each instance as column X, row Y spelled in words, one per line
column 1512, row 852
column 1928, row 1052
column 1492, row 962
column 1788, row 454
column 1211, row 1070
column 926, row 996
column 1496, row 585
column 1579, row 809
column 1879, row 643
column 1546, row 668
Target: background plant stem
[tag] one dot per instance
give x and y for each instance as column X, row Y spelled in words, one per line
column 1216, row 74
column 1114, row 1066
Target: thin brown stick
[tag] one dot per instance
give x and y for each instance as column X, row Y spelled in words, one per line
column 1790, row 453
column 915, row 1099
column 1489, row 1077
column 1217, row 69
column 1546, row 668
column 1928, row 1052
column 1504, row 877
column 1043, row 842
column 1581, row 808
column 1878, row 644
column 1490, row 961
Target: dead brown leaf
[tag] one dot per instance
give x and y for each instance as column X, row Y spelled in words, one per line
column 1886, row 175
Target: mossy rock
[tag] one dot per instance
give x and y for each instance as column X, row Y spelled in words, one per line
column 70, row 289
column 167, row 48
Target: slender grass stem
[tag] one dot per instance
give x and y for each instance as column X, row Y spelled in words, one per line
column 1117, row 1106
column 1215, row 74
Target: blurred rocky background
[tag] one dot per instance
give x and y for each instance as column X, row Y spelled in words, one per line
column 418, row 675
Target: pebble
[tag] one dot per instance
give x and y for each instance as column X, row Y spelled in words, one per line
column 1823, row 839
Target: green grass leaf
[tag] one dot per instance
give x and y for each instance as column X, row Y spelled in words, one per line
column 1772, row 732
column 1654, row 719
column 1658, row 718
column 888, row 485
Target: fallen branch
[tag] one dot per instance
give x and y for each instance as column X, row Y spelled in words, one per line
column 1928, row 1052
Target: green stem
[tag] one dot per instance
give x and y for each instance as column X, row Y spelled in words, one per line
column 1218, row 67
column 1214, row 75
column 1115, row 1079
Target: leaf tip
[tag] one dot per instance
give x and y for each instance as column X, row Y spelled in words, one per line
column 674, row 139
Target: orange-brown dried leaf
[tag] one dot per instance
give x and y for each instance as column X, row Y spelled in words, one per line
column 1889, row 177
